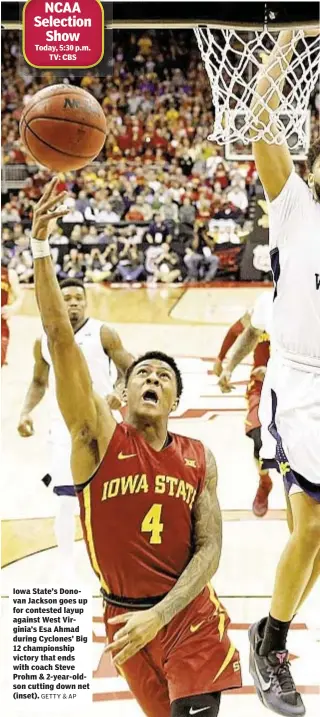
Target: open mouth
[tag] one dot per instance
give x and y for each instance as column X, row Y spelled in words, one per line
column 150, row 397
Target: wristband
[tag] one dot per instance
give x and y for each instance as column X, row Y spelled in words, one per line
column 39, row 249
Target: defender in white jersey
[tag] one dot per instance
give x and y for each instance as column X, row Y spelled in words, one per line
column 291, row 401
column 107, row 361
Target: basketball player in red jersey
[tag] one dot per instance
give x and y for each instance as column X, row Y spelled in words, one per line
column 150, row 516
column 261, row 355
column 11, row 299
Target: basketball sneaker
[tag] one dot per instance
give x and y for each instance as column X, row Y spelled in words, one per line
column 272, row 678
column 260, row 504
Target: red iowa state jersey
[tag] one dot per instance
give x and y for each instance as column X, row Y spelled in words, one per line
column 136, row 513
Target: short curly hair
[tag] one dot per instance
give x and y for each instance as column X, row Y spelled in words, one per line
column 159, row 356
column 313, row 154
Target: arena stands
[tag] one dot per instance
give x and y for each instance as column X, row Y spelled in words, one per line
column 160, row 203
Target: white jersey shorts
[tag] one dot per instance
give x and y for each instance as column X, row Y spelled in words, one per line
column 290, row 417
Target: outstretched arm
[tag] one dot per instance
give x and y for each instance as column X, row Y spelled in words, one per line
column 83, row 412
column 244, row 344
column 231, row 336
column 141, row 628
column 273, row 161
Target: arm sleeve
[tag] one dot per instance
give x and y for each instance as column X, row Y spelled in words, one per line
column 230, row 338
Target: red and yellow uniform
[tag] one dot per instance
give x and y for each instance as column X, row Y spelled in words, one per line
column 137, row 519
column 261, row 357
column 5, row 333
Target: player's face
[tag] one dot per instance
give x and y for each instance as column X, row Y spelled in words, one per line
column 152, row 390
column 75, row 301
column 315, row 179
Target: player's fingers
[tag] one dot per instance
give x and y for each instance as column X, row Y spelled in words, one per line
column 54, row 200
column 127, row 652
column 55, row 215
column 119, row 618
column 47, row 190
column 117, row 644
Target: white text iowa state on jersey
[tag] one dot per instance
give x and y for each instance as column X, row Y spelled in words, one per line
column 138, row 483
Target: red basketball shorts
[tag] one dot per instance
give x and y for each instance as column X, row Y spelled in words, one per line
column 192, row 655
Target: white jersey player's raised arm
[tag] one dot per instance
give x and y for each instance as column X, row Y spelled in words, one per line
column 290, row 401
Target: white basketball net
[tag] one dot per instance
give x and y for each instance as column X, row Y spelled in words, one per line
column 234, row 59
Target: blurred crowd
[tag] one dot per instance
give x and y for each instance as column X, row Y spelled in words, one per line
column 160, row 199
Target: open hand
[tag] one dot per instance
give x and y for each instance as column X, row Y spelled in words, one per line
column 114, row 400
column 224, row 382
column 44, row 210
column 139, row 628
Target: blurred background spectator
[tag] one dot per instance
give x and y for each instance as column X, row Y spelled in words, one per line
column 160, row 203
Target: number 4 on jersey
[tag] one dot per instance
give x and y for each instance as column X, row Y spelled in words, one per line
column 151, row 524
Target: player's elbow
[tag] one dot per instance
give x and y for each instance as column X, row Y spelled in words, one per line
column 252, row 334
column 210, row 553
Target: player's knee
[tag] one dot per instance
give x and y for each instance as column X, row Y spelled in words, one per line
column 186, row 706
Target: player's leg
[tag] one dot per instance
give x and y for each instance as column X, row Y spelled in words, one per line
column 316, row 565
column 296, row 574
column 147, row 685
column 143, row 672
column 315, row 575
column 296, row 565
column 200, row 662
column 260, row 503
column 208, row 704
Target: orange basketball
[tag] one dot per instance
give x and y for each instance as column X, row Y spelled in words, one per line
column 63, row 127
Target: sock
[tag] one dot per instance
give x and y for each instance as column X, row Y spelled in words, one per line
column 264, row 478
column 275, row 635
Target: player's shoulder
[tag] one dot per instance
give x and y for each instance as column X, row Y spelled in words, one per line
column 294, row 191
column 90, row 329
column 186, row 445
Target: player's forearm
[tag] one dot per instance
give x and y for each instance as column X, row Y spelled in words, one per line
column 198, row 573
column 275, row 69
column 34, row 396
column 244, row 344
column 230, row 338
column 51, row 306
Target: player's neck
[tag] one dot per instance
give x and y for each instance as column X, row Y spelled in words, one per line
column 78, row 325
column 155, row 434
